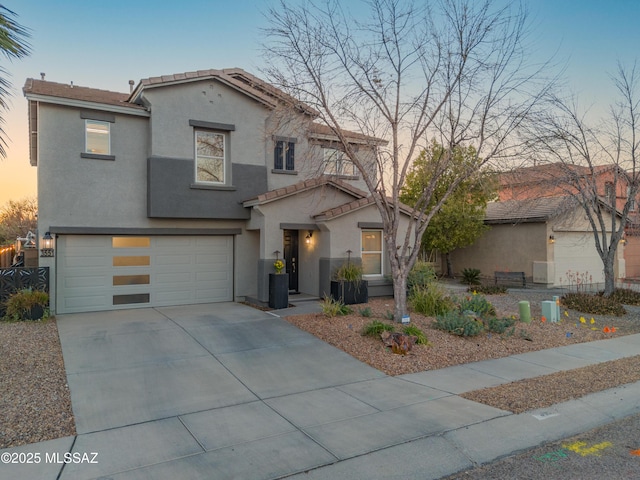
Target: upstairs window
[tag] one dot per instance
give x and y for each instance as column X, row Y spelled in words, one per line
column 210, row 155
column 97, row 137
column 610, row 193
column 336, row 162
column 284, row 155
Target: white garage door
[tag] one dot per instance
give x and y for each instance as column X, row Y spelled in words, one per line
column 96, row 272
column 576, row 253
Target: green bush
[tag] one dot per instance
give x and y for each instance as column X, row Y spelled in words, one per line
column 499, row 325
column 488, row 289
column 592, row 303
column 626, row 296
column 421, row 275
column 334, row 308
column 375, row 328
column 476, row 304
column 457, row 323
column 365, row 312
column 349, row 272
column 19, row 305
column 471, row 276
column 429, row 300
column 416, row 332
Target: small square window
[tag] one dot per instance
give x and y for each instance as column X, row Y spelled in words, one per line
column 284, row 155
column 97, row 137
column 210, row 157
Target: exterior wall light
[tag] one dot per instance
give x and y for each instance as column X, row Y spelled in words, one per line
column 552, row 239
column 47, row 245
column 308, row 237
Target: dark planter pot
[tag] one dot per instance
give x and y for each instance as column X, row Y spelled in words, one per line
column 35, row 313
column 278, row 290
column 350, row 293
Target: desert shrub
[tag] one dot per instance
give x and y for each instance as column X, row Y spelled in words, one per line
column 19, row 304
column 349, row 272
column 592, row 303
column 334, row 308
column 365, row 312
column 488, row 289
column 476, row 304
column 471, row 276
column 421, row 275
column 499, row 325
column 429, row 300
column 416, row 332
column 375, row 328
column 626, row 296
column 457, row 323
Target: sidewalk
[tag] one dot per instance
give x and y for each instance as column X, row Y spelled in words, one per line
column 302, row 409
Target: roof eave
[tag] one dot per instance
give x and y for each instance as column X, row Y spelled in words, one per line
column 73, row 102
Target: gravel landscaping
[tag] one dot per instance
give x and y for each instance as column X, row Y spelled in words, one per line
column 36, row 404
column 35, row 401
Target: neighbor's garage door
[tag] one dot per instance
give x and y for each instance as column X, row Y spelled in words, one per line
column 96, row 272
column 576, row 252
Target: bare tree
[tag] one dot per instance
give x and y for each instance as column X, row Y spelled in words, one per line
column 594, row 161
column 17, row 218
column 408, row 73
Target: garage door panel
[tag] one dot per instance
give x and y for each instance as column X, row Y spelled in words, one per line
column 575, row 253
column 100, row 273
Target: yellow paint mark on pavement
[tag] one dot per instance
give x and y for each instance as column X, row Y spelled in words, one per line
column 582, row 449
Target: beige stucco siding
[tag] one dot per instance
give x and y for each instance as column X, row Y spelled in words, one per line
column 210, row 101
column 504, row 248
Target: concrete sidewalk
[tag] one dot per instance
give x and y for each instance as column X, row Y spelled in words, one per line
column 225, row 391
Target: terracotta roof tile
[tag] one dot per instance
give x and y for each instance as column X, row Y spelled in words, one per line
column 309, row 184
column 61, row 90
column 529, row 210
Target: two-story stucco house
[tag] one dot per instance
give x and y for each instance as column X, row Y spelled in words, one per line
column 187, row 189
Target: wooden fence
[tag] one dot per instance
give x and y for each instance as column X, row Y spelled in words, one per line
column 6, row 255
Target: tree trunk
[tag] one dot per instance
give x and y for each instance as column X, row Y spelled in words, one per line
column 400, row 297
column 609, row 276
column 449, row 267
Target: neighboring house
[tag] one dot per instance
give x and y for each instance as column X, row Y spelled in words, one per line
column 187, row 189
column 554, row 179
column 547, row 238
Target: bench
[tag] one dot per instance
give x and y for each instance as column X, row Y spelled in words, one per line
column 516, row 278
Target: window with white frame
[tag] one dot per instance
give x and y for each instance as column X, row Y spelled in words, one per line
column 336, row 162
column 97, row 137
column 210, row 156
column 372, row 252
column 284, row 155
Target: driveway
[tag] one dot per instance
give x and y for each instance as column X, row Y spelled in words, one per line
column 183, row 391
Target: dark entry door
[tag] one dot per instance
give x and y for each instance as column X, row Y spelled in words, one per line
column 291, row 258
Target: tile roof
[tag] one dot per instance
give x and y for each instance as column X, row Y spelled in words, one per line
column 63, row 90
column 529, row 210
column 310, row 184
column 344, row 209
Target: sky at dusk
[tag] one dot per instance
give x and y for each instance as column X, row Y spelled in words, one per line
column 106, row 44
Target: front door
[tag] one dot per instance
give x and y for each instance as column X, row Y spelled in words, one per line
column 291, row 258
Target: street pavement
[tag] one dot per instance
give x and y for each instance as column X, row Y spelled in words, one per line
column 610, row 452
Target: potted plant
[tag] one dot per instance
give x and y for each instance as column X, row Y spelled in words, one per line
column 278, row 286
column 348, row 285
column 27, row 304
